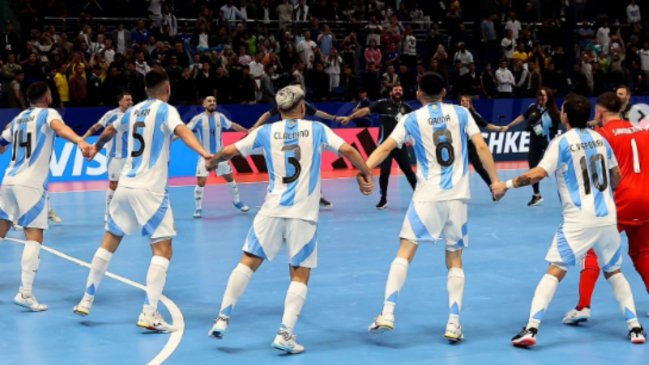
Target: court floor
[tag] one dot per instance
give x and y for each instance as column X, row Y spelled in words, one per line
column 357, row 243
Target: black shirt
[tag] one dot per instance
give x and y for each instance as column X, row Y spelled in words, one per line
column 389, row 113
column 479, row 120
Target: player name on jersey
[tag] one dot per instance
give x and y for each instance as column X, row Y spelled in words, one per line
column 576, row 147
column 291, row 135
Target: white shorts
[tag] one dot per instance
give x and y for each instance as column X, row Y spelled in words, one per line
column 115, row 166
column 427, row 221
column 223, row 168
column 24, row 206
column 570, row 245
column 135, row 209
column 267, row 235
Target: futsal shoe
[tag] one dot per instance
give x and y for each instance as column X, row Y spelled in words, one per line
column 383, row 203
column 54, row 217
column 153, row 321
column 382, row 323
column 525, row 338
column 536, row 200
column 83, row 308
column 637, row 335
column 285, row 341
column 29, row 302
column 198, row 213
column 453, row 331
column 576, row 316
column 219, row 328
column 326, row 204
column 241, row 206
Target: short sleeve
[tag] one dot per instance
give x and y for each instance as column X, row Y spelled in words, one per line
column 52, row 114
column 610, row 156
column 331, row 140
column 471, row 126
column 529, row 110
column 225, row 122
column 173, row 118
column 376, row 107
column 6, row 137
column 550, row 161
column 192, row 123
column 252, row 141
column 400, row 133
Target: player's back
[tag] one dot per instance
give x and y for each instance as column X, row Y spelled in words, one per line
column 439, row 132
column 149, row 126
column 581, row 160
column 630, row 143
column 32, row 139
column 293, row 150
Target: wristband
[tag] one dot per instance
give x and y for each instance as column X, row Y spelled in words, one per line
column 509, row 184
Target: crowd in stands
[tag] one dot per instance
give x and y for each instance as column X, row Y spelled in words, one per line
column 243, row 51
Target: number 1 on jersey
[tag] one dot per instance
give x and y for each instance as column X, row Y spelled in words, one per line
column 593, row 176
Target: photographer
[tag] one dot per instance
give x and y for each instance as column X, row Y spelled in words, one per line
column 543, row 121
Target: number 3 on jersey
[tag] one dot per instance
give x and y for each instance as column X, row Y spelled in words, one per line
column 293, row 161
column 444, row 147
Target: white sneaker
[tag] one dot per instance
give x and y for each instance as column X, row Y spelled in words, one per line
column 382, row 323
column 83, row 308
column 198, row 213
column 241, row 206
column 154, row 322
column 54, row 217
column 637, row 335
column 284, row 341
column 453, row 331
column 574, row 316
column 29, row 302
column 219, row 328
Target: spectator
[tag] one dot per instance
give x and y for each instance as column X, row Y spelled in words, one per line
column 392, row 56
column 320, row 83
column 168, row 19
column 244, row 58
column 298, row 74
column 78, row 88
column 49, row 79
column 578, row 80
column 508, row 44
column 266, row 86
column 306, row 50
column 513, row 25
column 551, row 78
column 134, row 82
column 284, row 12
column 15, row 92
column 121, row 38
column 301, row 12
column 186, row 90
column 205, row 83
column 521, row 78
column 372, row 81
column 409, row 43
column 246, row 88
column 326, row 40
column 62, row 85
column 373, row 54
column 388, row 80
column 223, row 85
column 633, row 13
column 140, row 34
column 33, row 70
column 349, row 83
column 10, row 68
column 374, row 30
column 488, row 82
column 141, row 65
column 94, row 86
column 504, row 80
column 10, row 41
column 464, row 57
column 471, row 81
column 231, row 13
column 333, row 65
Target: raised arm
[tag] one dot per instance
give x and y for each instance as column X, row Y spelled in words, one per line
column 262, row 119
column 324, row 115
column 520, row 119
column 92, row 130
column 238, row 127
column 357, row 114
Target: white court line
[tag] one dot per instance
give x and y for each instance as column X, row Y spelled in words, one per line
column 176, row 315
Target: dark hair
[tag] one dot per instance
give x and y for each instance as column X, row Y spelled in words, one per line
column 36, row 91
column 551, row 104
column 154, row 78
column 577, row 109
column 628, row 89
column 121, row 95
column 431, row 83
column 610, row 102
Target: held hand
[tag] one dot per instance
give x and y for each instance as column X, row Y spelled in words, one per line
column 365, row 183
column 91, row 153
column 343, row 120
column 86, row 149
column 498, row 190
column 504, row 128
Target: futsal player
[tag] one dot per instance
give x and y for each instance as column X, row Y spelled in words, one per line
column 629, row 144
column 141, row 201
column 24, row 188
column 116, row 147
column 208, row 127
column 293, row 150
column 587, row 172
column 439, row 204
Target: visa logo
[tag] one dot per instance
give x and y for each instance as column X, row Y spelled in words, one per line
column 70, row 154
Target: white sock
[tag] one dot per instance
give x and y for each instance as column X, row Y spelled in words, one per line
column 624, row 296
column 198, row 197
column 295, row 297
column 29, row 266
column 396, row 278
column 237, row 284
column 98, row 268
column 155, row 281
column 455, row 285
column 235, row 191
column 542, row 298
column 109, row 197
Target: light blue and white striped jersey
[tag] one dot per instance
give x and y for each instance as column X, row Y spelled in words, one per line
column 439, row 133
column 149, row 127
column 116, row 147
column 293, row 150
column 581, row 160
column 208, row 128
column 33, row 140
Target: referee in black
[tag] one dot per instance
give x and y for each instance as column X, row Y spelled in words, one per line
column 466, row 101
column 390, row 110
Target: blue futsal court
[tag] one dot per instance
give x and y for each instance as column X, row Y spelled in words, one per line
column 357, row 243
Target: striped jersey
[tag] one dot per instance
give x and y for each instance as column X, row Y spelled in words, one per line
column 439, row 134
column 149, row 127
column 116, row 147
column 33, row 141
column 581, row 160
column 293, row 151
column 208, row 128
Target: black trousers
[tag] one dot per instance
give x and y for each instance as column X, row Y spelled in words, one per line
column 403, row 160
column 474, row 158
column 538, row 145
